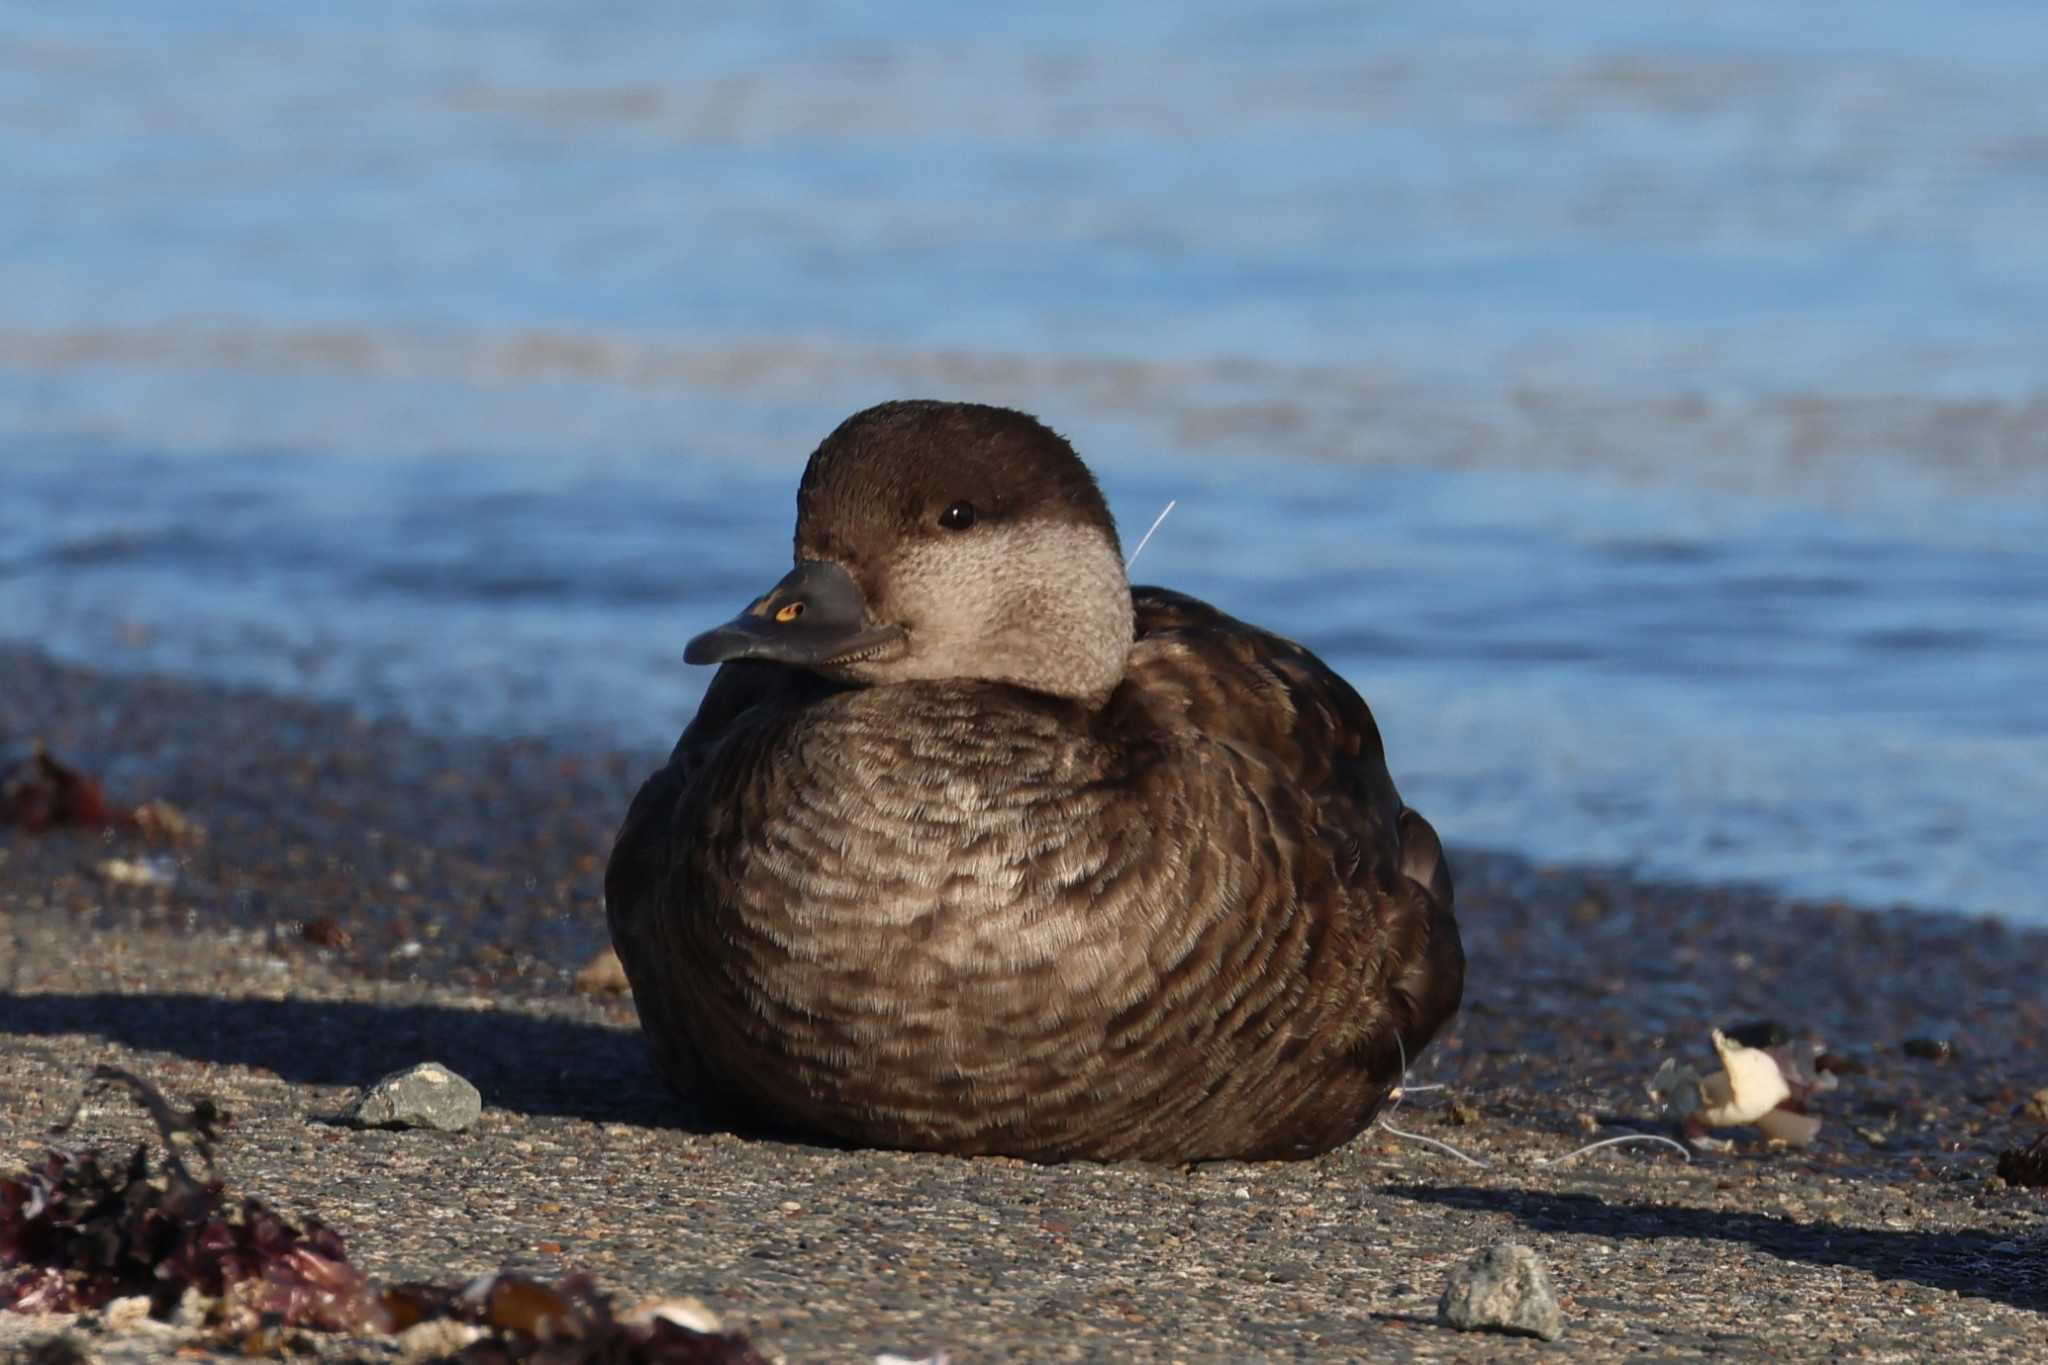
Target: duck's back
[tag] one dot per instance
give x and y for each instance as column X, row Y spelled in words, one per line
column 965, row 917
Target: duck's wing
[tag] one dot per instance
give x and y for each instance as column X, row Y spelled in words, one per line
column 1300, row 723
column 641, row 854
column 1239, row 684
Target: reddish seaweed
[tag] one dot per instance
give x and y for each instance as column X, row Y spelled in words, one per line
column 38, row 793
column 78, row 1231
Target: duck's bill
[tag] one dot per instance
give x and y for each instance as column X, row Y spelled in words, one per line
column 815, row 617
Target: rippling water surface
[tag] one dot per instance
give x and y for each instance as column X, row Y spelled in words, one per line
column 1648, row 411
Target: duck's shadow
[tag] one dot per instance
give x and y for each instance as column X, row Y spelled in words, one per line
column 542, row 1066
column 527, row 1063
column 1969, row 1262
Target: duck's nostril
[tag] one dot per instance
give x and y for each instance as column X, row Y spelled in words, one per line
column 789, row 612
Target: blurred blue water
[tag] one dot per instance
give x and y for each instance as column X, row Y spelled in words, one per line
column 1301, row 182
column 1644, row 405
column 1686, row 683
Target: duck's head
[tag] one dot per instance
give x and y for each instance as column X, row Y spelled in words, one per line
column 945, row 540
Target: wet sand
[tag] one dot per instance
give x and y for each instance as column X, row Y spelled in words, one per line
column 369, row 896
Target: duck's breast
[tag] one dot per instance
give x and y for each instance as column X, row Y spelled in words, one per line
column 957, row 916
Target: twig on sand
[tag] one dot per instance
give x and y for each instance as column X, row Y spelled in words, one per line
column 201, row 1123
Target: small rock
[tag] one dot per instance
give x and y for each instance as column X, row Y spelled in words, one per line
column 2036, row 1107
column 602, row 975
column 425, row 1096
column 1930, row 1049
column 1504, row 1289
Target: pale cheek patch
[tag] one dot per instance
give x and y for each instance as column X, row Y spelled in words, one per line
column 1043, row 605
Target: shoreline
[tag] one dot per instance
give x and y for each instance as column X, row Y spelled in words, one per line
column 369, row 895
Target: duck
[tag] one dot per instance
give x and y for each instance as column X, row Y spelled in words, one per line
column 972, row 847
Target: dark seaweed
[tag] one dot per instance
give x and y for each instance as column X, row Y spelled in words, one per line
column 78, row 1231
column 39, row 793
column 2026, row 1165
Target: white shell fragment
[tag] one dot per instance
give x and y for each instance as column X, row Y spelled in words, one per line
column 1748, row 1086
column 1766, row 1087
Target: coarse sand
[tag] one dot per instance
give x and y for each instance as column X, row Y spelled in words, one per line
column 368, row 896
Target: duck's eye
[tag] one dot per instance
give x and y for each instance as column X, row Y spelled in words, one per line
column 957, row 517
column 790, row 612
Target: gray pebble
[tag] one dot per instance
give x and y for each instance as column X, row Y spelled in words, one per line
column 1506, row 1289
column 425, row 1096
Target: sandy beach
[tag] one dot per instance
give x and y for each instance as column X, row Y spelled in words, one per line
column 368, row 896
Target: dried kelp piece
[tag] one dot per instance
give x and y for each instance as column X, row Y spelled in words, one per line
column 39, row 793
column 571, row 1322
column 2026, row 1165
column 327, row 932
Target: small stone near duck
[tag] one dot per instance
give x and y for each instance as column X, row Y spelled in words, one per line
column 1503, row 1289
column 425, row 1096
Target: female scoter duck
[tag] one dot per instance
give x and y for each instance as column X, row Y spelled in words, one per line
column 974, row 848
